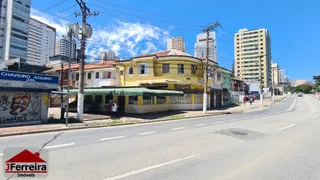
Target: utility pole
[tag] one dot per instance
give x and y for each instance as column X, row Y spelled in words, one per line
column 85, row 11
column 61, row 89
column 205, row 85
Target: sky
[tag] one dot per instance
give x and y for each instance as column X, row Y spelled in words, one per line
column 131, row 28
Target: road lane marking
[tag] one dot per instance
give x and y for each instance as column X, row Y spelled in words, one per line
column 146, row 133
column 244, row 118
column 233, row 119
column 151, row 168
column 315, row 116
column 255, row 116
column 1, row 154
column 178, row 128
column 218, row 122
column 286, row 127
column 292, row 105
column 111, row 138
column 60, row 145
column 200, row 125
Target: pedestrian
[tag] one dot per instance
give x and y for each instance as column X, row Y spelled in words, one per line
column 114, row 109
column 251, row 99
column 63, row 109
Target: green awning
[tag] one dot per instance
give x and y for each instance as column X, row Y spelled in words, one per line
column 128, row 92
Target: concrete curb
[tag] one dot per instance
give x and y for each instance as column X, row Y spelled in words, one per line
column 129, row 123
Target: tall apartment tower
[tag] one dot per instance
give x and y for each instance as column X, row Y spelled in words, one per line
column 200, row 47
column 282, row 76
column 62, row 47
column 108, row 56
column 14, row 28
column 176, row 43
column 275, row 74
column 41, row 43
column 252, row 50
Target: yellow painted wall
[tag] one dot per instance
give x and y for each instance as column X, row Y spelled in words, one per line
column 156, row 75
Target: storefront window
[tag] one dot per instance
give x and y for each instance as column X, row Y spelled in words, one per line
column 133, row 99
column 198, row 98
column 148, row 100
column 161, row 100
column 186, row 99
column 108, row 99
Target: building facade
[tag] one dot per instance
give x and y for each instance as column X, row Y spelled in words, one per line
column 14, row 30
column 275, row 74
column 108, row 56
column 167, row 70
column 252, row 49
column 41, row 43
column 282, row 77
column 201, row 45
column 62, row 47
column 176, row 43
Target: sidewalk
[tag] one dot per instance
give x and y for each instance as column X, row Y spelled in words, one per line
column 94, row 121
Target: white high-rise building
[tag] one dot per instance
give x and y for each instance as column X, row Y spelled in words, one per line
column 275, row 74
column 41, row 43
column 176, row 43
column 201, row 45
column 108, row 56
column 62, row 47
column 282, row 76
column 14, row 28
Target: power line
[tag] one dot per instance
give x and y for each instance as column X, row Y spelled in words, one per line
column 50, row 7
column 227, row 31
column 149, row 18
column 150, row 13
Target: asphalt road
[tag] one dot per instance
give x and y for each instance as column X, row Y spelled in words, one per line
column 280, row 142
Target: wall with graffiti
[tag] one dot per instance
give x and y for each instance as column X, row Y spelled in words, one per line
column 19, row 107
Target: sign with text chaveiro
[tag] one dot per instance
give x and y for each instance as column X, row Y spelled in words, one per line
column 11, row 79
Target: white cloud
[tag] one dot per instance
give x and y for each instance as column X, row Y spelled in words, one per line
column 53, row 21
column 125, row 38
column 150, row 47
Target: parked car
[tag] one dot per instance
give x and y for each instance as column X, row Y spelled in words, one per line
column 300, row 95
column 86, row 107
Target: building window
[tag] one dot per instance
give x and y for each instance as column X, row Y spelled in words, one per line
column 133, row 100
column 165, row 68
column 143, row 69
column 97, row 75
column 180, row 69
column 130, row 70
column 98, row 99
column 261, row 39
column 148, row 100
column 108, row 99
column 109, row 75
column 161, row 100
column 89, row 76
column 193, row 69
column 219, row 76
column 77, row 77
column 121, row 72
